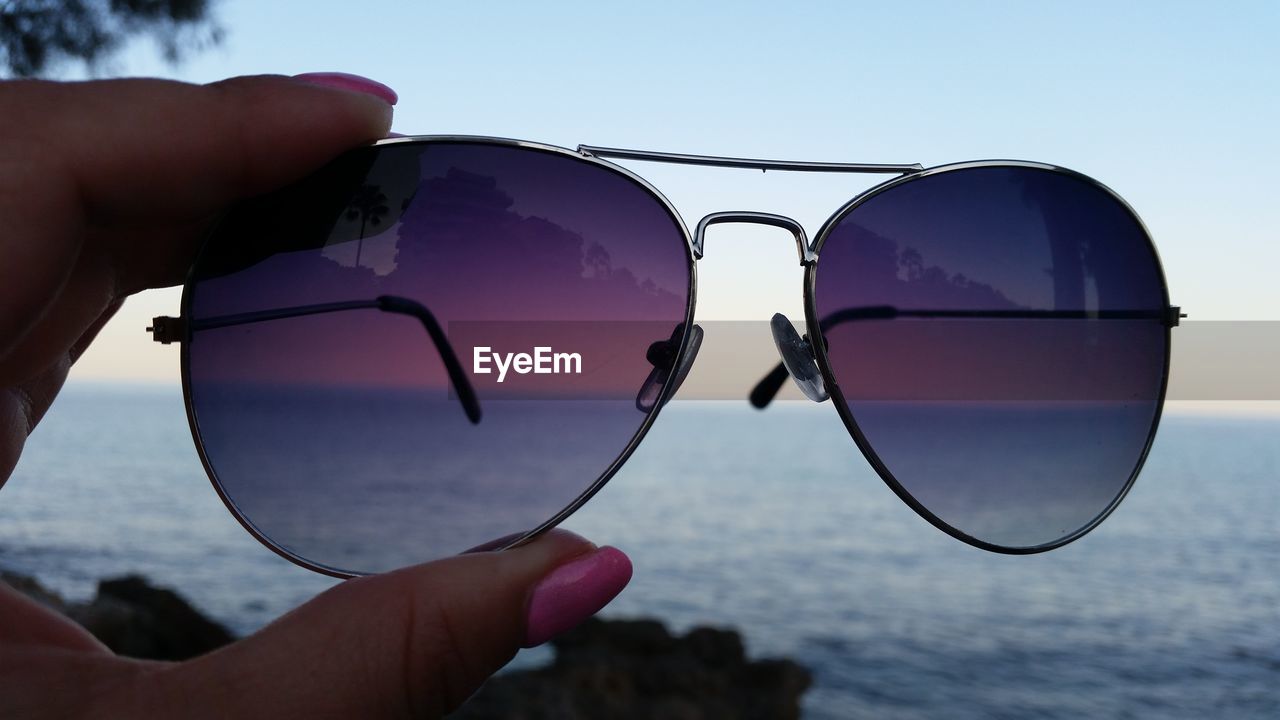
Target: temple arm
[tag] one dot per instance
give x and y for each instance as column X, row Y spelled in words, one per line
column 765, row 390
column 169, row 329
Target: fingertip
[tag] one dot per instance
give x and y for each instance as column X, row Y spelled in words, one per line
column 575, row 591
column 295, row 98
column 621, row 563
column 351, row 83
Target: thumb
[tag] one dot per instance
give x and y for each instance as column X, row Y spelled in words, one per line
column 413, row 643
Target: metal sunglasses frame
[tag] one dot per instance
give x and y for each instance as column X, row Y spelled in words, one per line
column 170, row 329
column 1172, row 316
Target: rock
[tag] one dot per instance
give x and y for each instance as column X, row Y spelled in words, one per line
column 135, row 618
column 637, row 669
column 621, row 669
column 32, row 588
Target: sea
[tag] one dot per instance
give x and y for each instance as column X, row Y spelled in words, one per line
column 772, row 523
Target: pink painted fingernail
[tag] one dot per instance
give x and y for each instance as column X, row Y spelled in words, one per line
column 574, row 592
column 354, row 83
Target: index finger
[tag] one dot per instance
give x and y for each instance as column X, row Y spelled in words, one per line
column 139, row 147
column 106, row 185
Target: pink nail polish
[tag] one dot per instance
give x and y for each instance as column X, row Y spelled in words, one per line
column 574, row 592
column 353, row 83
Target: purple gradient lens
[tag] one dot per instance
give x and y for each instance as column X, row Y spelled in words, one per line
column 323, row 401
column 999, row 341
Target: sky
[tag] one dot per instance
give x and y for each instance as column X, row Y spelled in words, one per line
column 1174, row 105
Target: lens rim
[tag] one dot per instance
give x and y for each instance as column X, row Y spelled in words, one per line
column 842, row 405
column 514, row 540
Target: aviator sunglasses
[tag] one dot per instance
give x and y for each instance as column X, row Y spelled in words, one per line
column 441, row 344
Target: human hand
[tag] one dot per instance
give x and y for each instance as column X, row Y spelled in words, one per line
column 105, row 189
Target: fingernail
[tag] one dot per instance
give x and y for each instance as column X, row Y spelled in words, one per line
column 353, row 83
column 574, row 592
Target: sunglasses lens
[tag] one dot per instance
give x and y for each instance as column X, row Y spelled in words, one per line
column 998, row 339
column 430, row 347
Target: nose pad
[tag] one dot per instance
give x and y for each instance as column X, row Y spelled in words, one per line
column 662, row 355
column 797, row 356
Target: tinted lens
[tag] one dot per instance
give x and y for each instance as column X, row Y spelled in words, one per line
column 322, row 319
column 997, row 335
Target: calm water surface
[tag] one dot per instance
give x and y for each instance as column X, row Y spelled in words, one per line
column 773, row 523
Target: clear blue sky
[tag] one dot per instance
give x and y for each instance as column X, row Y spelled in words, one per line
column 1175, row 105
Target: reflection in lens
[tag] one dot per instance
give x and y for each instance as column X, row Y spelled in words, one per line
column 998, row 337
column 331, row 423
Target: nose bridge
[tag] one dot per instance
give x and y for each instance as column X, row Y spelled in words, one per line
column 803, row 250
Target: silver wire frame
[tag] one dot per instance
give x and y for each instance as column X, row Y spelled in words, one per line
column 808, row 254
column 748, row 163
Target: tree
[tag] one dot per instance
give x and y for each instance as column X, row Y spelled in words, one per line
column 368, row 206
column 36, row 35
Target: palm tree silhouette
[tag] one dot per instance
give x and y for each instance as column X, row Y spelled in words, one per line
column 369, row 204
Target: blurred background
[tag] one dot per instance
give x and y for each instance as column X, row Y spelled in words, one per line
column 772, row 522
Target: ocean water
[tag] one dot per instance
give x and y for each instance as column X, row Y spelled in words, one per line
column 772, row 522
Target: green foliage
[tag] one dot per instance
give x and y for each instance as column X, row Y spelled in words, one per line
column 38, row 35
